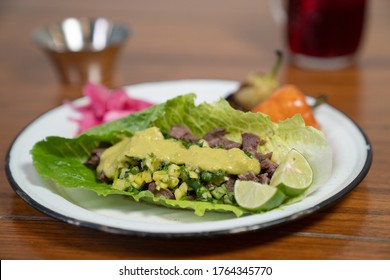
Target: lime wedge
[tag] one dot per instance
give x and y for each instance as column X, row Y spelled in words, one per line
column 294, row 174
column 255, row 196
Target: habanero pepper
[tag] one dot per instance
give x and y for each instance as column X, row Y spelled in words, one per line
column 286, row 102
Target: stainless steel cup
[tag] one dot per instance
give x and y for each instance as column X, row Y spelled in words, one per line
column 83, row 49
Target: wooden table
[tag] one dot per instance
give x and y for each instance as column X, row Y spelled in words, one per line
column 204, row 39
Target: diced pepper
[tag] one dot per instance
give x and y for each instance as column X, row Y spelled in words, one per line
column 203, row 194
column 181, row 191
column 174, row 170
column 219, row 192
column 119, row 184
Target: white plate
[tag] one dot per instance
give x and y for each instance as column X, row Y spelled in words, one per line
column 118, row 214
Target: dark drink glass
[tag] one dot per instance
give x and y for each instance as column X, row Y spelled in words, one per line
column 324, row 33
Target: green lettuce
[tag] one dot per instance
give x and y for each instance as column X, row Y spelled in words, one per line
column 62, row 159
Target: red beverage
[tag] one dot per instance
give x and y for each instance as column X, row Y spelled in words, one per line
column 325, row 28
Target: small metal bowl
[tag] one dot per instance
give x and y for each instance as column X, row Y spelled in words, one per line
column 80, row 34
column 82, row 49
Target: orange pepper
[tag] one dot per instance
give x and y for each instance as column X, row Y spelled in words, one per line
column 286, row 102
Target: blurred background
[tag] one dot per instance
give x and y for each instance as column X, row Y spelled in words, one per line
column 152, row 53
column 162, row 46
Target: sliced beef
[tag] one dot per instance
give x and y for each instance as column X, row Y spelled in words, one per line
column 260, row 157
column 230, row 184
column 268, row 166
column 161, row 192
column 249, row 176
column 94, row 158
column 182, row 132
column 103, row 178
column 263, row 178
column 191, row 197
column 215, row 133
column 216, row 138
column 250, row 142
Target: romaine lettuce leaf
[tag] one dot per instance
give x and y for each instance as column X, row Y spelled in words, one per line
column 61, row 159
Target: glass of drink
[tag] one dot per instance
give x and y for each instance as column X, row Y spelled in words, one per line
column 322, row 34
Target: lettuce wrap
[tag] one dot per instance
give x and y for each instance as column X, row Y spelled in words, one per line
column 62, row 159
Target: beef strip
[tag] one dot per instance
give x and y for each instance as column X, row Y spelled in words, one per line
column 94, row 158
column 103, row 178
column 215, row 138
column 182, row 132
column 262, row 178
column 260, row 157
column 268, row 166
column 161, row 192
column 230, row 184
column 250, row 142
column 249, row 176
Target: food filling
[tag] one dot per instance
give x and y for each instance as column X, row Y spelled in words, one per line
column 181, row 165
